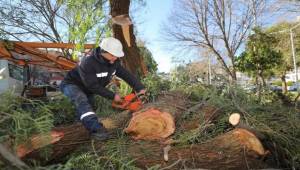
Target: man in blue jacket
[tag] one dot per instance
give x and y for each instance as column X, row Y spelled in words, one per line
column 91, row 77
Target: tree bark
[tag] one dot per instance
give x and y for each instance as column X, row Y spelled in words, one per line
column 75, row 135
column 284, row 85
column 227, row 151
column 263, row 82
column 237, row 149
column 133, row 61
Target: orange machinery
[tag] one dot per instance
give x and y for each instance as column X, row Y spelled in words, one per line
column 37, row 53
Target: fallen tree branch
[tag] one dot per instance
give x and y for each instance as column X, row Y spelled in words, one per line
column 13, row 160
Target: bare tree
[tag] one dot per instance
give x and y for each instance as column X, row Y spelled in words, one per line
column 219, row 25
column 45, row 20
column 29, row 18
column 290, row 5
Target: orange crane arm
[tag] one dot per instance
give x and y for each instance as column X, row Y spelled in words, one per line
column 36, row 56
column 51, row 45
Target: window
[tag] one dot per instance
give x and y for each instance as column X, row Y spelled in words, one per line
column 15, row 72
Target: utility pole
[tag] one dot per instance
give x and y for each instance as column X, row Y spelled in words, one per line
column 209, row 69
column 294, row 56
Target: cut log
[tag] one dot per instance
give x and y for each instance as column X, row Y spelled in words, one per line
column 38, row 141
column 237, row 149
column 151, row 124
column 234, row 119
column 70, row 138
column 154, row 122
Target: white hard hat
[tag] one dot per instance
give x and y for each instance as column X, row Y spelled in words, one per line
column 113, row 46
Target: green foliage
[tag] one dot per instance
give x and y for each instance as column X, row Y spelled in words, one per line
column 289, row 83
column 277, row 83
column 113, row 156
column 282, row 33
column 282, row 126
column 179, row 77
column 103, row 106
column 155, row 84
column 89, row 20
column 124, row 88
column 148, row 59
column 22, row 118
column 259, row 56
column 218, row 97
column 63, row 110
column 268, row 115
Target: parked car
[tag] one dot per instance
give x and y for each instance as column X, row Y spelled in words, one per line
column 294, row 86
column 250, row 88
column 276, row 88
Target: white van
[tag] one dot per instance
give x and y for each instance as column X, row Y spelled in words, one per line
column 11, row 77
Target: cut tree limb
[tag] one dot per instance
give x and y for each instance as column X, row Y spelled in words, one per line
column 13, row 160
column 235, row 120
column 163, row 116
column 231, row 150
column 237, row 149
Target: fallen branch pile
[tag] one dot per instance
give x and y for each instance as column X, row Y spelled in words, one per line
column 236, row 149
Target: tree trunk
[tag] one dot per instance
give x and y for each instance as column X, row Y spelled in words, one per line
column 259, row 87
column 133, row 61
column 263, row 82
column 237, row 149
column 284, row 85
column 76, row 135
column 227, row 151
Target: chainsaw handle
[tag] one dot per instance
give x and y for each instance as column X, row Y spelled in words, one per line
column 131, row 102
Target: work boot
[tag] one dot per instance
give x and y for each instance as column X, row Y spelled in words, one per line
column 101, row 135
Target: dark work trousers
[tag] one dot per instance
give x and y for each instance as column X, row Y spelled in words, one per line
column 84, row 106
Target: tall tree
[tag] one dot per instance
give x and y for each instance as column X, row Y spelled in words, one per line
column 123, row 30
column 282, row 33
column 260, row 56
column 219, row 25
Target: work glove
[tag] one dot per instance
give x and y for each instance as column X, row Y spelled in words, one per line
column 142, row 95
column 117, row 98
column 141, row 92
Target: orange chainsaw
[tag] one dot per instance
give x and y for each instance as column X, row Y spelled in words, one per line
column 132, row 102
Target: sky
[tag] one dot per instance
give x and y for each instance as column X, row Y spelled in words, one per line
column 149, row 30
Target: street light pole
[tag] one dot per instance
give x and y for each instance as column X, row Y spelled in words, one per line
column 294, row 56
column 209, row 70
